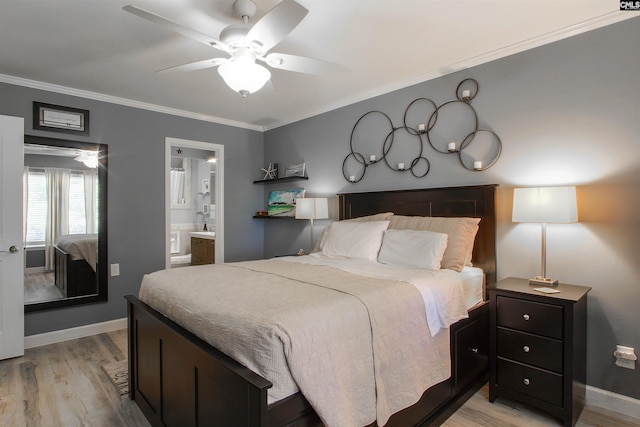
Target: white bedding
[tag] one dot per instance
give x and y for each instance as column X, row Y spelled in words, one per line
column 309, row 327
column 444, row 292
column 80, row 246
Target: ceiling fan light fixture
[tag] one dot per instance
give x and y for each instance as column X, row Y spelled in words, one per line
column 243, row 75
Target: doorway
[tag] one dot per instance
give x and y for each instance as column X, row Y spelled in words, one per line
column 194, row 197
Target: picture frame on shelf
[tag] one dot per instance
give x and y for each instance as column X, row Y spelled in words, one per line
column 295, row 170
column 205, row 186
column 283, row 202
column 57, row 118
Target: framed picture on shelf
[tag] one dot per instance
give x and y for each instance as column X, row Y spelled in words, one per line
column 295, row 170
column 205, row 186
column 205, row 209
column 283, row 202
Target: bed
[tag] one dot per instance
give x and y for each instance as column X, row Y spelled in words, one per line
column 75, row 262
column 177, row 378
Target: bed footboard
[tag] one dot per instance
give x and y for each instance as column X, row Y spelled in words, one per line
column 178, row 380
column 73, row 278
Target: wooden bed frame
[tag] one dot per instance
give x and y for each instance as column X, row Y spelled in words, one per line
column 177, row 379
column 74, row 277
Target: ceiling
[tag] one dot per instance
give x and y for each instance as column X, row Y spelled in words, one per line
column 94, row 49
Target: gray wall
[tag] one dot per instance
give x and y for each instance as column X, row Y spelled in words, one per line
column 136, row 141
column 567, row 113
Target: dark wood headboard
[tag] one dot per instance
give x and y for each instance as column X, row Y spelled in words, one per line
column 473, row 201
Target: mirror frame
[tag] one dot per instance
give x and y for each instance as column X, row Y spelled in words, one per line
column 102, row 271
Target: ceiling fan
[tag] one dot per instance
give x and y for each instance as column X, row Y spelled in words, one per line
column 245, row 44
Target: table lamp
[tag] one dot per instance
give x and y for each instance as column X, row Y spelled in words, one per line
column 312, row 208
column 545, row 205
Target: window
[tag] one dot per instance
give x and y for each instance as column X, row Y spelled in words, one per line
column 77, row 218
column 37, row 206
column 36, row 220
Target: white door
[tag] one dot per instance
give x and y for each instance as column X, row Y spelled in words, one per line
column 11, row 250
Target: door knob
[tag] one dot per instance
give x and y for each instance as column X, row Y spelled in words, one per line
column 13, row 249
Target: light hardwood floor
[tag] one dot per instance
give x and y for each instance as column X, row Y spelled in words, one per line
column 40, row 287
column 63, row 385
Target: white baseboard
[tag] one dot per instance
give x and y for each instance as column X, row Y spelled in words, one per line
column 73, row 333
column 613, row 402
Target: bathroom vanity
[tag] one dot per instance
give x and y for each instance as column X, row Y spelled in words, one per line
column 203, row 247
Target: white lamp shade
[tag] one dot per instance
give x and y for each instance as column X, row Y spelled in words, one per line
column 545, row 204
column 243, row 75
column 312, row 208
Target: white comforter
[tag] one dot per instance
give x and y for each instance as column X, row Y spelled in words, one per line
column 80, row 246
column 358, row 348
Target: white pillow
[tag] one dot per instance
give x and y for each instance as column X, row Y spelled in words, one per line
column 347, row 239
column 412, row 248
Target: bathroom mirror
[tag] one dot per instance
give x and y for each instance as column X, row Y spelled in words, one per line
column 65, row 217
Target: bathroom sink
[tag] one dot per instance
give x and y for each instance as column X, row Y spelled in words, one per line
column 204, row 234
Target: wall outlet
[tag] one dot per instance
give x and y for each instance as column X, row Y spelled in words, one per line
column 625, row 357
column 115, row 270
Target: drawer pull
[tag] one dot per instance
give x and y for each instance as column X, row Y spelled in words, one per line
column 526, row 349
column 526, row 381
column 473, row 350
column 526, row 316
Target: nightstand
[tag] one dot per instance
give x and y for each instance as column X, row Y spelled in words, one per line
column 538, row 346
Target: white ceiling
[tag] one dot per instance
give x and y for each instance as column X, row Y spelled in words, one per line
column 93, row 48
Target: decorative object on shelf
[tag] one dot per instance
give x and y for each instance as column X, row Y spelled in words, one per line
column 312, row 208
column 283, row 202
column 205, row 209
column 57, row 118
column 544, row 205
column 205, row 186
column 261, row 213
column 295, row 170
column 271, row 172
column 486, row 149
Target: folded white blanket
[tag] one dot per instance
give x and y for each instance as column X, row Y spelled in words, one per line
column 442, row 290
column 358, row 348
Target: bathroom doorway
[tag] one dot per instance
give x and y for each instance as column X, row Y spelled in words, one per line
column 194, row 198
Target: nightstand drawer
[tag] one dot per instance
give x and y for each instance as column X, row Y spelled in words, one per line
column 531, row 349
column 537, row 383
column 529, row 316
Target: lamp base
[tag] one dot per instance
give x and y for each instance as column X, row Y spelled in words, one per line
column 544, row 281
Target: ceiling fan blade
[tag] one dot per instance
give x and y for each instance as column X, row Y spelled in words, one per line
column 302, row 64
column 194, row 66
column 177, row 28
column 276, row 24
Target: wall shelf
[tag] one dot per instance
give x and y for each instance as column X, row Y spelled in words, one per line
column 273, row 217
column 284, row 179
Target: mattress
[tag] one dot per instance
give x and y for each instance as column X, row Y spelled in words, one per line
column 80, row 246
column 309, row 327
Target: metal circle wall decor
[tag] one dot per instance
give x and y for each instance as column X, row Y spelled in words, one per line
column 388, row 144
column 420, row 166
column 431, row 124
column 478, row 165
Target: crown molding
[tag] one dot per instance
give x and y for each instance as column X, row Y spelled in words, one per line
column 553, row 36
column 33, row 84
